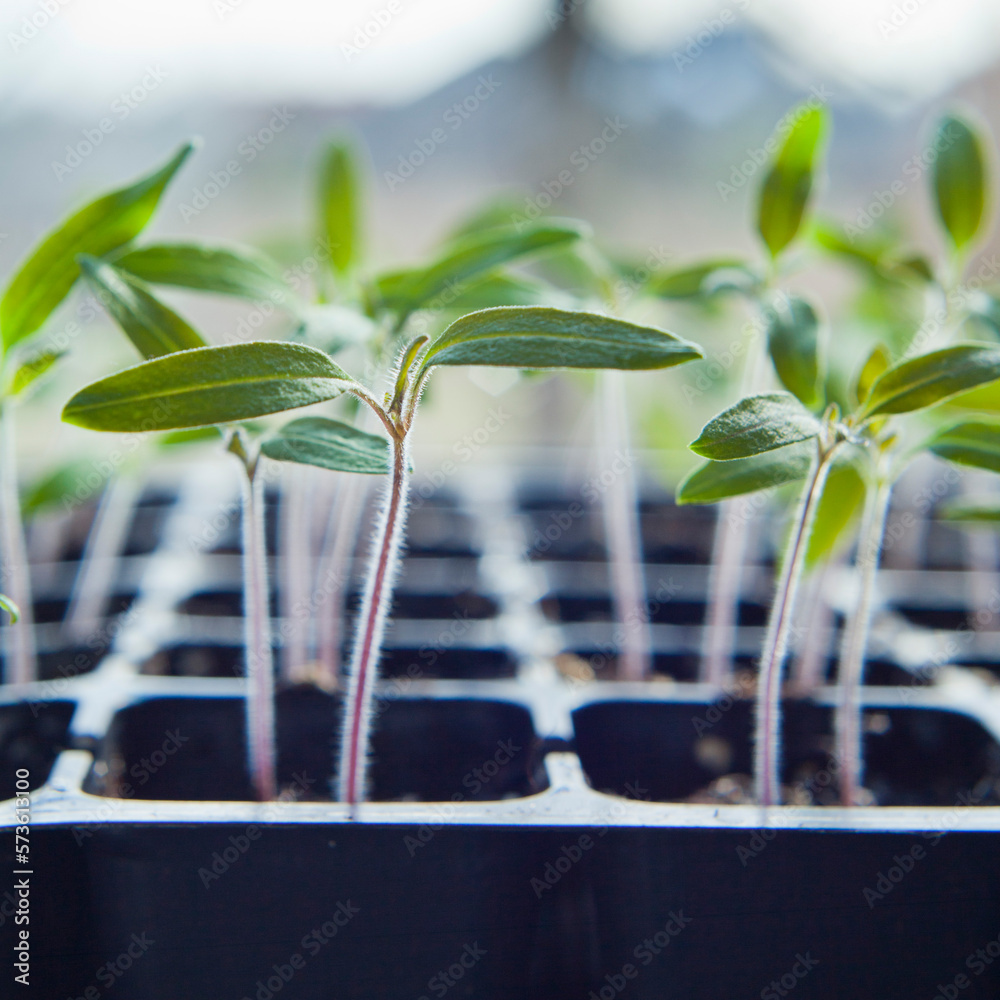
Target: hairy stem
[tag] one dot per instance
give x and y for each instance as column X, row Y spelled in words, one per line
column 852, row 650
column 15, row 576
column 257, row 634
column 767, row 769
column 371, row 627
column 621, row 528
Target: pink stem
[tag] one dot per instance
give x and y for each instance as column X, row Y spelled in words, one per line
column 372, row 622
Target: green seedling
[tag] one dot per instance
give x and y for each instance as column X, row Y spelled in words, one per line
column 772, row 439
column 785, row 327
column 223, row 385
column 50, row 271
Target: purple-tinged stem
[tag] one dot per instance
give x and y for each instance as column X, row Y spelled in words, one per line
column 767, row 750
column 852, row 651
column 371, row 627
column 257, row 635
column 621, row 528
column 15, row 575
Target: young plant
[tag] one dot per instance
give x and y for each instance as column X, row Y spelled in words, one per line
column 767, row 440
column 39, row 286
column 221, row 385
column 791, row 338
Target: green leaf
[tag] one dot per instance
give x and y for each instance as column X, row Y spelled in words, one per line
column 500, row 289
column 31, row 370
column 985, row 511
column 67, row 486
column 541, row 337
column 408, row 290
column 931, row 378
column 702, row 279
column 6, row 604
column 329, row 444
column 190, row 435
column 152, row 327
column 208, row 385
column 227, row 270
column 754, row 425
column 716, row 481
column 339, row 205
column 959, row 179
column 793, row 342
column 840, row 506
column 876, row 363
column 48, row 274
column 788, row 184
column 972, row 442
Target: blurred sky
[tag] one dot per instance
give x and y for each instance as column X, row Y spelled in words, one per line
column 471, row 100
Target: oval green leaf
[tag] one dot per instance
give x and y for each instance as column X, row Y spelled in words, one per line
column 959, row 179
column 931, row 378
column 875, row 365
column 789, row 182
column 48, row 274
column 715, row 481
column 339, row 199
column 226, row 270
column 405, row 291
column 542, row 337
column 208, row 385
column 972, row 442
column 793, row 343
column 703, row 279
column 153, row 328
column 754, row 425
column 31, row 370
column 330, row 444
column 838, row 512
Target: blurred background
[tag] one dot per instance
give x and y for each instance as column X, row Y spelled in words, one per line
column 645, row 118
